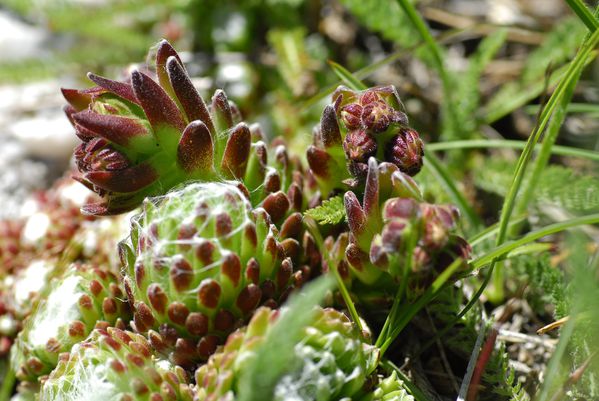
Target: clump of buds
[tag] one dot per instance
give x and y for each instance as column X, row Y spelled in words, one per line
column 356, row 127
column 393, row 228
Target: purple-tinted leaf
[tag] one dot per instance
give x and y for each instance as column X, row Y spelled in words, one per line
column 221, row 110
column 186, row 93
column 128, row 180
column 371, row 191
column 237, row 151
column 159, row 107
column 318, row 160
column 277, row 205
column 355, row 215
column 120, row 130
column 164, row 52
column 196, row 151
column 113, row 205
column 77, row 99
column 329, row 128
column 121, row 89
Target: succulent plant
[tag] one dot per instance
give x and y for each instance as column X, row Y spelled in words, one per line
column 391, row 230
column 200, row 260
column 140, row 138
column 331, row 361
column 84, row 298
column 356, row 127
column 113, row 364
column 30, row 249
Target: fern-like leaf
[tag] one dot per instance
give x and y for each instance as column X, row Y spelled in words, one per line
column 558, row 186
column 468, row 84
column 332, row 211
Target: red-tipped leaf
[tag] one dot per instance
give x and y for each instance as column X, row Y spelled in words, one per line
column 371, row 191
column 160, row 109
column 318, row 160
column 120, row 130
column 164, row 52
column 121, row 89
column 196, row 151
column 221, row 110
column 331, row 136
column 128, row 180
column 77, row 99
column 191, row 101
column 237, row 151
column 355, row 214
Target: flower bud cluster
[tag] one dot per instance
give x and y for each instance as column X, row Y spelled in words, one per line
column 356, row 127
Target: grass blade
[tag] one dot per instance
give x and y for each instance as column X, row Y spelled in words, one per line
column 585, row 15
column 574, row 69
column 501, row 250
column 509, row 144
column 347, row 77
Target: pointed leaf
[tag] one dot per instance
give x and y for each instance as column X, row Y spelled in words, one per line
column 277, row 205
column 371, row 191
column 160, row 109
column 165, row 51
column 355, row 214
column 121, row 89
column 221, row 110
column 329, row 128
column 186, row 93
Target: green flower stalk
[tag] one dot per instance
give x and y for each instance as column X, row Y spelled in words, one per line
column 200, row 261
column 114, row 364
column 331, row 362
column 356, row 127
column 83, row 299
column 142, row 137
column 392, row 230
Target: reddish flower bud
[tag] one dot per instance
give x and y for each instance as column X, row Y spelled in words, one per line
column 351, row 115
column 406, row 151
column 359, row 146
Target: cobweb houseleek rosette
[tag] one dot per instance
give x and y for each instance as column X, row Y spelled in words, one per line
column 331, row 361
column 114, row 364
column 84, row 298
column 200, row 260
column 142, row 137
column 393, row 230
column 357, row 126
